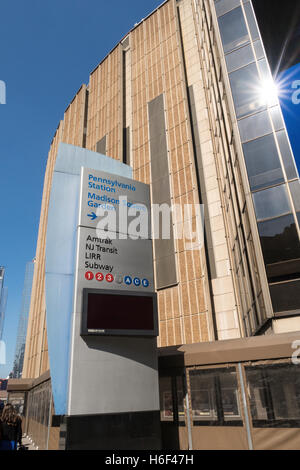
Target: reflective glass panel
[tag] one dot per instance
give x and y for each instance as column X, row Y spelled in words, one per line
column 166, row 399
column 233, row 30
column 203, row 396
column 285, row 296
column 239, row 58
column 274, row 395
column 276, row 118
column 287, row 156
column 223, row 6
column 214, row 394
column 264, row 70
column 295, row 191
column 271, row 202
column 255, row 126
column 180, row 397
column 269, row 91
column 251, row 21
column 262, row 161
column 247, row 92
column 259, row 51
column 279, row 239
column 283, row 271
column 229, row 396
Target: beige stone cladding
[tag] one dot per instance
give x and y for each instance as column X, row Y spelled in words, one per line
column 222, row 286
column 157, row 68
column 104, row 110
column 71, row 131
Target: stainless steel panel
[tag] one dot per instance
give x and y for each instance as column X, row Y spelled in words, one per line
column 123, row 264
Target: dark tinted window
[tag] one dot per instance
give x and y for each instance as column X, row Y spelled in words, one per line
column 279, row 239
column 172, row 392
column 166, row 399
column 283, row 271
column 295, row 190
column 215, row 399
column 285, row 296
column 274, row 394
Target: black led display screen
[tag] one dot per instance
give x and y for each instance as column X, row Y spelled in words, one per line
column 118, row 312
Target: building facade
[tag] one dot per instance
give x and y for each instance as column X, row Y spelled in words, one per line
column 3, row 299
column 186, row 100
column 23, row 321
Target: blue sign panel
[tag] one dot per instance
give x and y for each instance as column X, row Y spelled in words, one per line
column 289, row 97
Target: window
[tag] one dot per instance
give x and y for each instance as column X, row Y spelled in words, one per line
column 274, row 394
column 255, row 126
column 262, row 161
column 204, row 405
column 214, row 396
column 295, row 191
column 266, row 77
column 279, row 239
column 277, row 118
column 251, row 21
column 239, row 58
column 233, row 30
column 172, row 392
column 223, row 6
column 166, row 399
column 180, row 397
column 271, row 203
column 247, row 91
column 286, row 295
column 259, row 52
column 287, row 156
column 18, row 400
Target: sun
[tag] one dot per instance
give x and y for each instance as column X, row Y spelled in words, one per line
column 268, row 92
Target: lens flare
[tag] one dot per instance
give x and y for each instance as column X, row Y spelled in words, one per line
column 268, row 92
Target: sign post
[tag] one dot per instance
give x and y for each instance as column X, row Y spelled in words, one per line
column 113, row 373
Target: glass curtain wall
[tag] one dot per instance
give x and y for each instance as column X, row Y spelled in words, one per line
column 270, row 164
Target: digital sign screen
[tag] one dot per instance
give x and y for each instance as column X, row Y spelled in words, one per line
column 118, row 313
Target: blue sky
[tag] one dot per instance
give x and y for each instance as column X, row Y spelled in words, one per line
column 48, row 49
